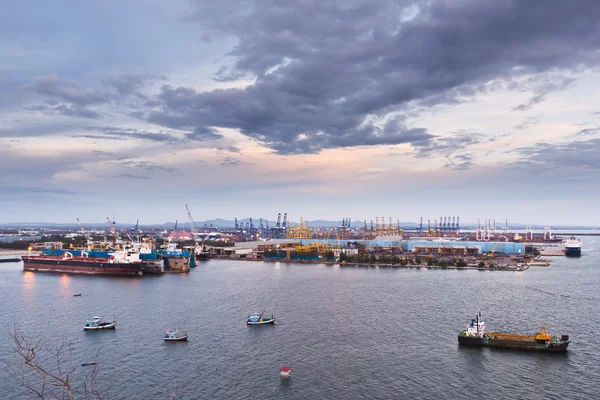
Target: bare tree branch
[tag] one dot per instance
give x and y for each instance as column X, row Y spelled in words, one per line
column 46, row 370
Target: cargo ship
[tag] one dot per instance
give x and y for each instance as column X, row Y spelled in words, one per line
column 119, row 263
column 475, row 335
column 573, row 247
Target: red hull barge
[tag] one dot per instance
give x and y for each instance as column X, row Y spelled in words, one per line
column 81, row 265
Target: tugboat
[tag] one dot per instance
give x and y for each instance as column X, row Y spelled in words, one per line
column 175, row 335
column 97, row 323
column 475, row 335
column 259, row 319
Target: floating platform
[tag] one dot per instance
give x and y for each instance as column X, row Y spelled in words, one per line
column 552, row 251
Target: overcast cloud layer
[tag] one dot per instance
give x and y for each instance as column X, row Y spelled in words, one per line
column 239, row 107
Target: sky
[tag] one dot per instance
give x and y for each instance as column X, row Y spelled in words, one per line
column 322, row 109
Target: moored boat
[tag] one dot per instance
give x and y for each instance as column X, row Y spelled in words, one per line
column 476, row 335
column 259, row 319
column 97, row 323
column 119, row 263
column 175, row 335
column 573, row 247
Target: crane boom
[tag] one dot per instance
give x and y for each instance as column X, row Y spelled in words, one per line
column 191, row 219
column 127, row 234
column 113, row 230
column 87, row 239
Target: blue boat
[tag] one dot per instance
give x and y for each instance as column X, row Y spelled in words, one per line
column 259, row 319
column 573, row 247
column 175, row 335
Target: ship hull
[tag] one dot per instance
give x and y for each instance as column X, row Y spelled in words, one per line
column 530, row 345
column 271, row 321
column 177, row 264
column 573, row 251
column 177, row 339
column 470, row 341
column 69, row 266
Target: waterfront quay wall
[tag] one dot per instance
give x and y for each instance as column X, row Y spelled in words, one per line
column 510, row 248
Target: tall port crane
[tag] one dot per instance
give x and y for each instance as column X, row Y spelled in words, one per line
column 191, row 219
column 113, row 230
column 87, row 239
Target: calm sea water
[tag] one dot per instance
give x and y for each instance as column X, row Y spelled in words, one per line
column 346, row 332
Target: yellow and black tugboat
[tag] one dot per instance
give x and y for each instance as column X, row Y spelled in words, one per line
column 475, row 335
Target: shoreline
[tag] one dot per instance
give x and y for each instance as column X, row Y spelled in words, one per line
column 14, row 253
column 524, row 267
column 512, row 268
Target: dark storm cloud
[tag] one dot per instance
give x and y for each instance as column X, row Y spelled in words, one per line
column 69, row 98
column 460, row 162
column 68, row 91
column 127, row 84
column 542, row 89
column 589, row 131
column 546, row 157
column 64, row 109
column 449, row 145
column 103, row 153
column 327, row 73
column 230, row 149
column 131, row 176
column 146, row 166
column 230, row 162
column 203, row 133
column 129, row 133
column 527, row 122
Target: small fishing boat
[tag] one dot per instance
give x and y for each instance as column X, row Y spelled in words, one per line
column 97, row 323
column 175, row 335
column 259, row 319
column 77, row 295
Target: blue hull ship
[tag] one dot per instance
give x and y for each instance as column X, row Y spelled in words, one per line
column 573, row 247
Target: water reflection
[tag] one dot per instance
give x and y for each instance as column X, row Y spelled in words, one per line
column 65, row 282
column 28, row 280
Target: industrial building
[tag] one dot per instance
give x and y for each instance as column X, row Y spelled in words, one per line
column 432, row 245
